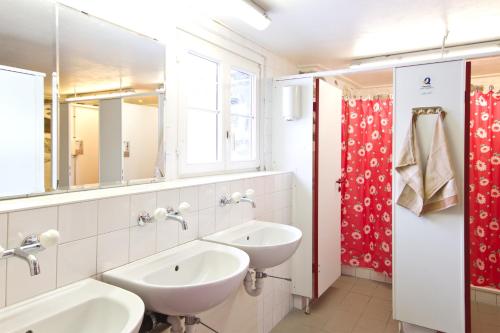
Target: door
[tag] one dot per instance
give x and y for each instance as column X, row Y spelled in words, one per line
column 329, row 113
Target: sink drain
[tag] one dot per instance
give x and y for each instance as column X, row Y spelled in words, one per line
column 176, row 268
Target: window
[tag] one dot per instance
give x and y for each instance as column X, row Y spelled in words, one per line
column 218, row 113
column 242, row 116
column 202, row 108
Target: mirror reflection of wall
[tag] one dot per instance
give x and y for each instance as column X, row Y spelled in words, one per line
column 120, row 74
column 27, row 64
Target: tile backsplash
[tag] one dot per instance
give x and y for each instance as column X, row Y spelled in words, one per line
column 102, row 234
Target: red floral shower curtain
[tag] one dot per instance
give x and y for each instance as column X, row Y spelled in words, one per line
column 484, row 191
column 366, row 188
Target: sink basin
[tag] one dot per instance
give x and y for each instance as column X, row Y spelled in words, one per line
column 82, row 307
column 268, row 244
column 185, row 280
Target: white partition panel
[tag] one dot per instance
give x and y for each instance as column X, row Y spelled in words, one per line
column 293, row 150
column 329, row 171
column 428, row 251
column 110, row 141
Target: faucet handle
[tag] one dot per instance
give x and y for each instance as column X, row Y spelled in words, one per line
column 249, row 193
column 160, row 214
column 236, row 197
column 49, row 238
column 184, row 207
column 2, row 250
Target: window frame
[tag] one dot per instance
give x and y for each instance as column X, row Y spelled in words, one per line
column 226, row 61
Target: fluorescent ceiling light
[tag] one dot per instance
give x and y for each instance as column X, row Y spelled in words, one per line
column 99, row 96
column 425, row 56
column 244, row 10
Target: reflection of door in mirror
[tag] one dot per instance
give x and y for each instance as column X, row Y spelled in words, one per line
column 84, row 134
column 140, row 133
column 27, row 55
column 21, row 132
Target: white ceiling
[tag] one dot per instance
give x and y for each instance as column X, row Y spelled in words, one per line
column 330, row 33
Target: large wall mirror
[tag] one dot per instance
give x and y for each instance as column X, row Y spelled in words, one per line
column 81, row 101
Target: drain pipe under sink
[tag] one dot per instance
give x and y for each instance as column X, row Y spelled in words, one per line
column 254, row 289
column 176, row 324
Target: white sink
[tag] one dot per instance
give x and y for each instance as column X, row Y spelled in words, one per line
column 82, row 307
column 268, row 244
column 185, row 280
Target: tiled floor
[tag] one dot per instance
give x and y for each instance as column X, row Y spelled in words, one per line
column 354, row 305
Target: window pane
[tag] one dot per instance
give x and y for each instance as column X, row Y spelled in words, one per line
column 201, row 82
column 241, row 93
column 241, row 128
column 202, row 134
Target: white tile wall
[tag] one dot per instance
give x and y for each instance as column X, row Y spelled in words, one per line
column 141, row 203
column 76, row 261
column 206, row 196
column 103, row 234
column 113, row 214
column 206, row 222
column 77, row 221
column 112, row 250
column 20, row 285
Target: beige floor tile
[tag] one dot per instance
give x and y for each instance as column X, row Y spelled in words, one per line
column 383, row 291
column 284, row 327
column 489, row 319
column 329, row 301
column 342, row 321
column 486, row 308
column 344, row 282
column 380, row 313
column 355, row 303
column 365, row 287
column 372, row 324
column 300, row 318
column 392, row 326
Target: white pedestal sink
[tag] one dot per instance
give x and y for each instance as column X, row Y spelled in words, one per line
column 185, row 280
column 82, row 307
column 267, row 244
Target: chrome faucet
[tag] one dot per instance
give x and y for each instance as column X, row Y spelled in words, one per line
column 237, row 197
column 176, row 215
column 29, row 246
column 172, row 214
column 248, row 197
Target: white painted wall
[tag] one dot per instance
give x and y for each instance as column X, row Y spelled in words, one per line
column 428, row 251
column 140, row 129
column 293, row 150
column 21, row 132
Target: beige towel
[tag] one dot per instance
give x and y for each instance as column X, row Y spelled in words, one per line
column 437, row 189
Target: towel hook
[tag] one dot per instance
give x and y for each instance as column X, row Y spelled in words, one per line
column 428, row 111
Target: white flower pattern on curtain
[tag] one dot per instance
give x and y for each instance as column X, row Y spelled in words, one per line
column 367, row 182
column 484, row 190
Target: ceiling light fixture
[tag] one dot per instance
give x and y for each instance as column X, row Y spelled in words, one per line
column 245, row 10
column 452, row 52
